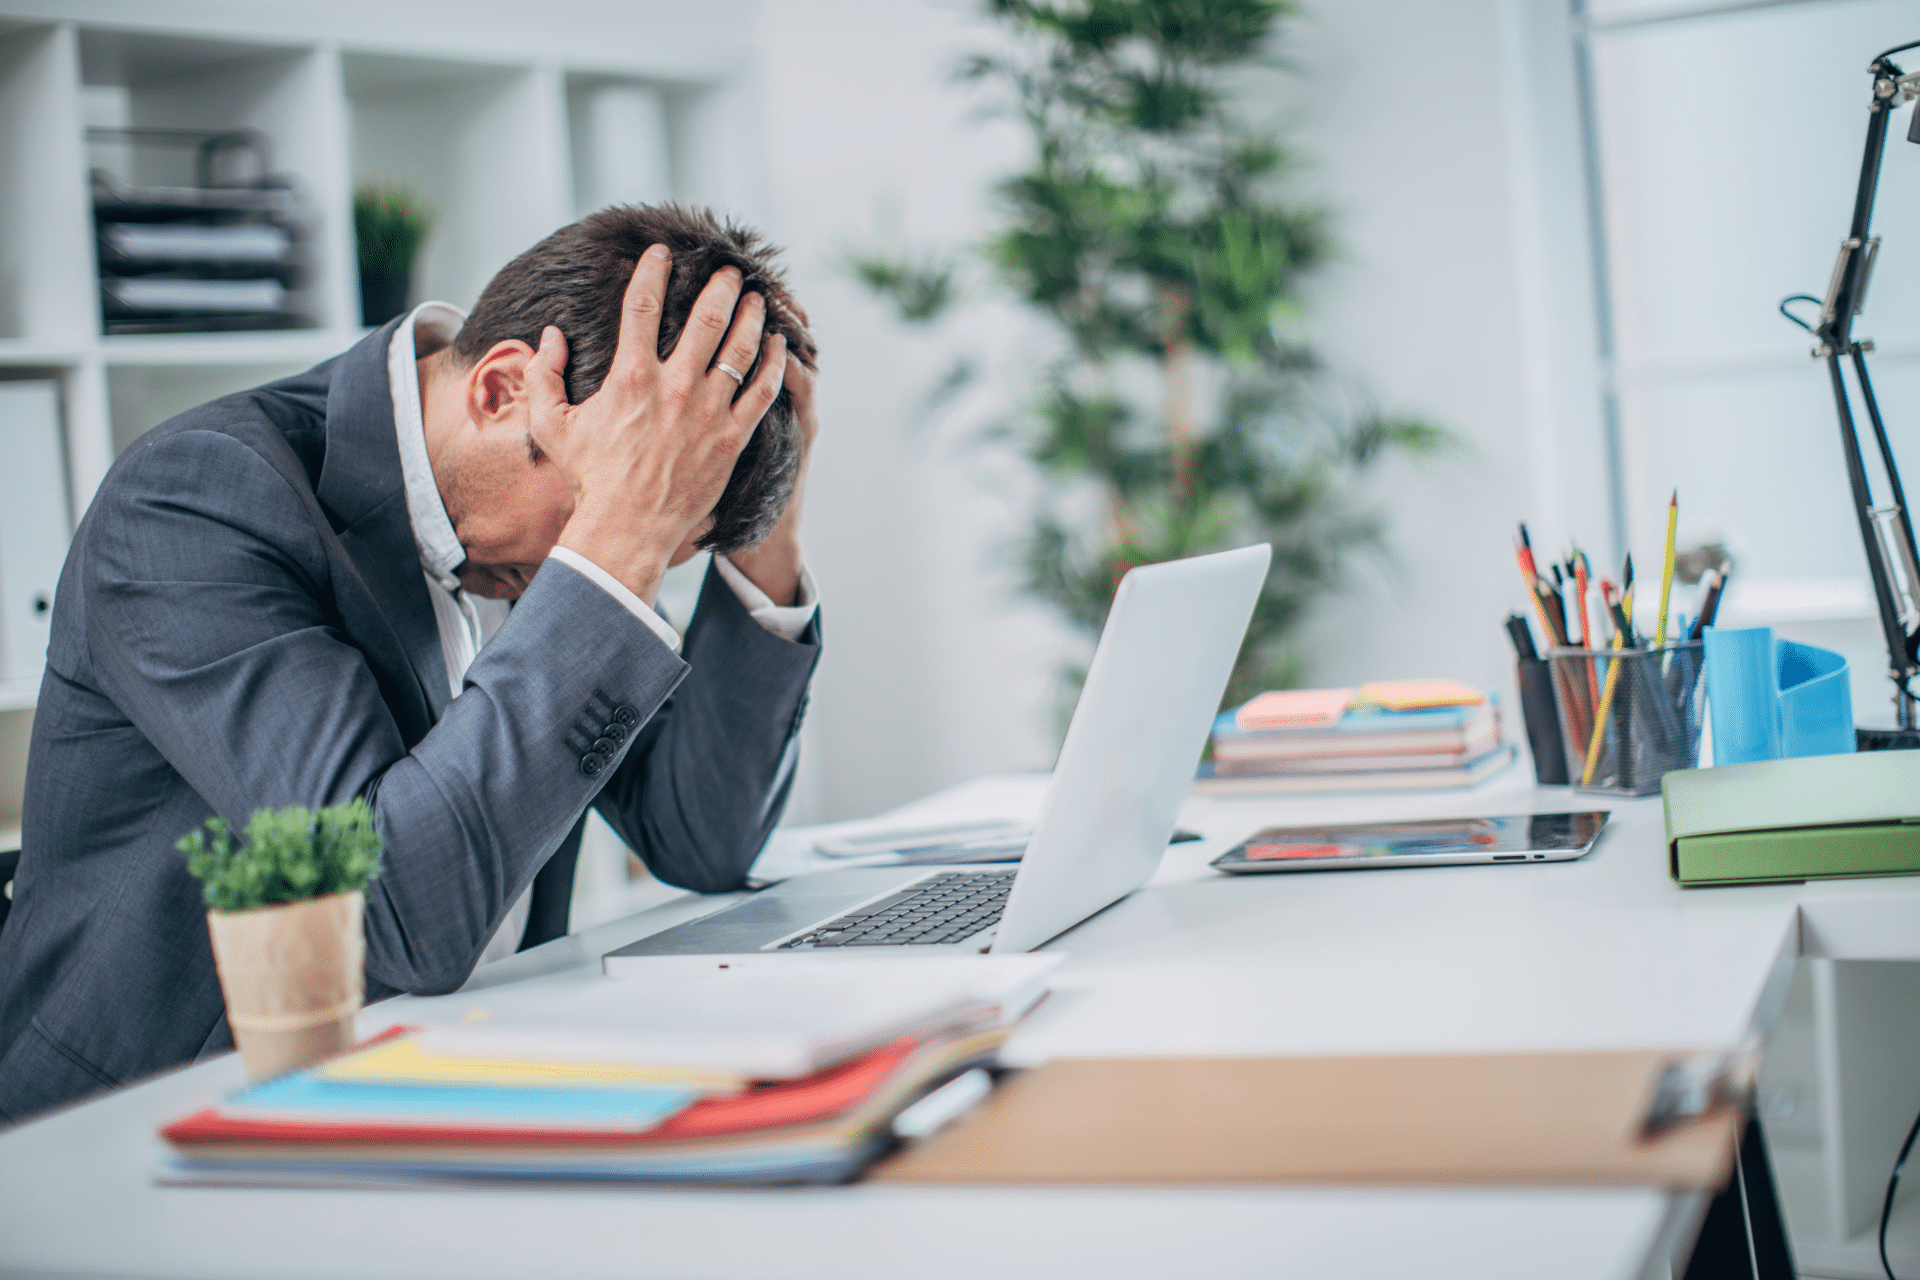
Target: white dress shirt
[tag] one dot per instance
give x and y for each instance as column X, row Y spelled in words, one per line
column 465, row 621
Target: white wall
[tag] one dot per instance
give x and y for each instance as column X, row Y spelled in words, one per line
column 1464, row 298
column 933, row 670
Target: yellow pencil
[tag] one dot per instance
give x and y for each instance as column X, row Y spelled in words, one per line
column 1666, row 567
column 1600, row 716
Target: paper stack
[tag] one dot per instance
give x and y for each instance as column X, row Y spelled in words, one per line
column 777, row 1075
column 1390, row 736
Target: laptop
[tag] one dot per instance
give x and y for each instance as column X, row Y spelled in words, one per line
column 1143, row 716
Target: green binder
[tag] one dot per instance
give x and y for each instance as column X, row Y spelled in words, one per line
column 1815, row 817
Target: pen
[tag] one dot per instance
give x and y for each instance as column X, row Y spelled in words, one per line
column 1711, row 609
column 1626, row 601
column 1716, row 580
column 1580, row 571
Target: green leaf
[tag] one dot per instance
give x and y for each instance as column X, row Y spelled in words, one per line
column 921, row 291
column 291, row 855
column 390, row 220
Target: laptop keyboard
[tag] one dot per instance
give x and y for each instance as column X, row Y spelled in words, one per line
column 945, row 908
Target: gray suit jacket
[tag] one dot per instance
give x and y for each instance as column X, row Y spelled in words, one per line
column 242, row 623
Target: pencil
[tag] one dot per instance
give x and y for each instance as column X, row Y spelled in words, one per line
column 1600, row 716
column 1530, row 574
column 1580, row 598
column 1666, row 566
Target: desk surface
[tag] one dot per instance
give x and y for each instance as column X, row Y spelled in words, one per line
column 1602, row 952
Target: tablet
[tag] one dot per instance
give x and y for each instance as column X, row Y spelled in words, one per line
column 1432, row 842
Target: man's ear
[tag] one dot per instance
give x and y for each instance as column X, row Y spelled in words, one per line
column 496, row 388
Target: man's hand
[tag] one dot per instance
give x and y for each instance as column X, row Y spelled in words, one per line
column 648, row 454
column 774, row 565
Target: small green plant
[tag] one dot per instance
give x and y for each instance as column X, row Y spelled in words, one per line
column 291, row 854
column 1157, row 226
column 389, row 222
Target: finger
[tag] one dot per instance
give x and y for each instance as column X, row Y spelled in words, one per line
column 742, row 344
column 546, row 383
column 640, row 313
column 799, row 383
column 759, row 394
column 712, row 314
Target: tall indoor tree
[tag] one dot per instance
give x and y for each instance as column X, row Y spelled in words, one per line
column 1154, row 228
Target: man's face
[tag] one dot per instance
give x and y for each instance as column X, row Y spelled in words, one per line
column 508, row 511
column 508, row 508
column 508, row 504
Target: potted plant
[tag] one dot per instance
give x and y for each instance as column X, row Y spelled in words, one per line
column 287, row 930
column 1155, row 227
column 390, row 221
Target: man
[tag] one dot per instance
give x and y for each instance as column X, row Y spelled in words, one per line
column 300, row 594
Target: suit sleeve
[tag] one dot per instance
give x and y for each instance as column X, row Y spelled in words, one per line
column 705, row 785
column 211, row 624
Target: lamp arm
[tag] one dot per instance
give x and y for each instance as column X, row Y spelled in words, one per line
column 1886, row 533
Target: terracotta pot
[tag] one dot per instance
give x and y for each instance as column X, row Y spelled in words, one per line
column 294, row 977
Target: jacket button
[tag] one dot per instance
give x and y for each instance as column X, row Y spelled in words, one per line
column 615, row 732
column 626, row 715
column 604, row 748
column 592, row 763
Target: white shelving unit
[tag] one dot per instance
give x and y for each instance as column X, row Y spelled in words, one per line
column 509, row 138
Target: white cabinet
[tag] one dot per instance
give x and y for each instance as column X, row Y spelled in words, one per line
column 510, row 136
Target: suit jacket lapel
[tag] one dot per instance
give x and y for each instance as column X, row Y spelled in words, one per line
column 362, row 487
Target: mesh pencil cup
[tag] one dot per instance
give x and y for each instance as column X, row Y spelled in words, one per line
column 1647, row 704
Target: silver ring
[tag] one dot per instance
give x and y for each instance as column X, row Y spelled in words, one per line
column 730, row 371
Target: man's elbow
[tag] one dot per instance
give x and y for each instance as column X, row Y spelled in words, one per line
column 419, row 975
column 705, row 879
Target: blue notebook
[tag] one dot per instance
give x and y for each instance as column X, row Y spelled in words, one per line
column 302, row 1097
column 1369, row 720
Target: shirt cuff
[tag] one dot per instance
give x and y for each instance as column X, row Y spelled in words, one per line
column 613, row 587
column 786, row 621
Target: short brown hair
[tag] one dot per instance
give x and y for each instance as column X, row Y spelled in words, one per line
column 576, row 278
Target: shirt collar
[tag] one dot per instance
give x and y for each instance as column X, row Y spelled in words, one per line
column 430, row 328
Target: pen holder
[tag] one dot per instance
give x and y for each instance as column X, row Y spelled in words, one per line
column 1647, row 704
column 1540, row 711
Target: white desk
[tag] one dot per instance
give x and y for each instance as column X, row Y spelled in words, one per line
column 1603, row 952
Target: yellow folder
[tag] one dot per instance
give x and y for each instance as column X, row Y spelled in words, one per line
column 403, row 1061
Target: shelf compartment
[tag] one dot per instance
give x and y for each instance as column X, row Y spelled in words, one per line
column 484, row 144
column 143, row 81
column 621, row 136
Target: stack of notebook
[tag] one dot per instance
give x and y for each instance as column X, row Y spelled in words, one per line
column 1401, row 735
column 774, row 1077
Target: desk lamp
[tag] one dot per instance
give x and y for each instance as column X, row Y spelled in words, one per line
column 1887, row 530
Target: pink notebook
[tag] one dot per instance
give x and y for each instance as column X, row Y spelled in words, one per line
column 1294, row 709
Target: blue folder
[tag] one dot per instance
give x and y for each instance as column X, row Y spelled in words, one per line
column 302, row 1094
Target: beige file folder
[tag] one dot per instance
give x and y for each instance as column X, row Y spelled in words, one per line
column 1567, row 1119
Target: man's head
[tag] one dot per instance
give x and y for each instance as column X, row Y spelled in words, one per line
column 501, row 494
